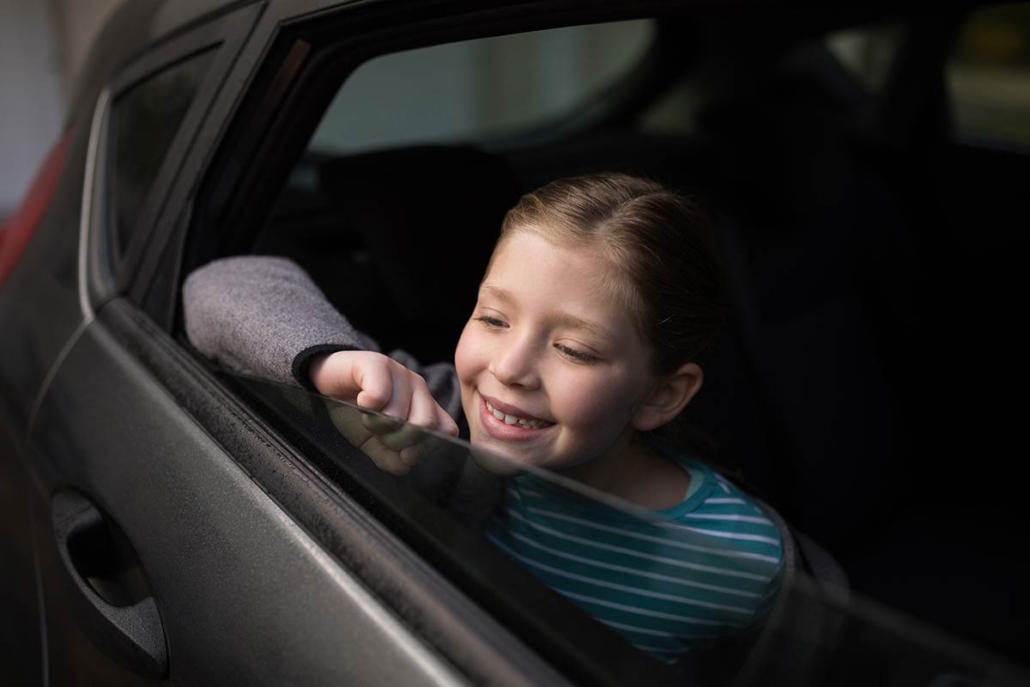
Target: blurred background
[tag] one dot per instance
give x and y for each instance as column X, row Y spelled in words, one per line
column 42, row 45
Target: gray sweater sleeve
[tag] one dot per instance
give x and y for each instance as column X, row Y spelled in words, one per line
column 264, row 316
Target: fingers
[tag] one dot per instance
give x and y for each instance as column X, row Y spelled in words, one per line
column 394, row 437
column 445, row 424
column 384, row 458
column 384, row 385
column 421, row 413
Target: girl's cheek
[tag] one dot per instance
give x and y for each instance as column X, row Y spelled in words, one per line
column 597, row 397
column 463, row 354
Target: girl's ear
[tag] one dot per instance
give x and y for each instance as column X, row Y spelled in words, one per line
column 670, row 396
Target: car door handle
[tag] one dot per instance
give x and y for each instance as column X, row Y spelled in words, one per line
column 109, row 595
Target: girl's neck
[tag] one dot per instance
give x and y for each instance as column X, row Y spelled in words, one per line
column 635, row 473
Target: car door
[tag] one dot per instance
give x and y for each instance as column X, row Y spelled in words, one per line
column 162, row 553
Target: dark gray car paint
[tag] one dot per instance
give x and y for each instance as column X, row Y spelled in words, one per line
column 246, row 596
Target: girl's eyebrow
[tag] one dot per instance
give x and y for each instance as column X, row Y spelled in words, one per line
column 498, row 293
column 564, row 319
column 571, row 321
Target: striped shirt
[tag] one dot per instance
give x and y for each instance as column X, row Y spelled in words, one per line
column 707, row 568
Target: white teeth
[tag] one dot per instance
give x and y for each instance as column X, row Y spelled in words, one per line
column 513, row 420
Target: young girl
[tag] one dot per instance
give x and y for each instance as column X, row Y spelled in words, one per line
column 600, row 302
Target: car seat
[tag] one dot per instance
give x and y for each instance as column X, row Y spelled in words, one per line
column 799, row 637
column 821, row 274
column 429, row 217
column 397, row 239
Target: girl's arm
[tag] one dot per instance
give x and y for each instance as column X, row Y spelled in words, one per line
column 264, row 316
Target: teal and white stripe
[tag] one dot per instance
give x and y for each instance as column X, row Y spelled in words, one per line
column 704, row 569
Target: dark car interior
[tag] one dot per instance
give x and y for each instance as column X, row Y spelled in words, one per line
column 871, row 264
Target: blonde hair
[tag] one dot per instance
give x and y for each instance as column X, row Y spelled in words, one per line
column 659, row 249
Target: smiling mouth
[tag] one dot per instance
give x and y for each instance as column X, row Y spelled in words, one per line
column 515, row 420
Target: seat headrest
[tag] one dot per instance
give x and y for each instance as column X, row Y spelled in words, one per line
column 430, row 216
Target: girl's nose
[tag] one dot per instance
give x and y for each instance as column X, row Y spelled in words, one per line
column 514, row 363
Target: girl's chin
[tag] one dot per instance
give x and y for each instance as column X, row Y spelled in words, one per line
column 495, row 463
column 505, row 449
column 499, row 457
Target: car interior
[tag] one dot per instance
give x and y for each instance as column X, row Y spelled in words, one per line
column 870, row 264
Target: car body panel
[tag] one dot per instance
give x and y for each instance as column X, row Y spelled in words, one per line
column 233, row 574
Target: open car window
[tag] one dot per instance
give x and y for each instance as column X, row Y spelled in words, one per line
column 372, row 214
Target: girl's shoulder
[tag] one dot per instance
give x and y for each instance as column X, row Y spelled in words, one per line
column 716, row 507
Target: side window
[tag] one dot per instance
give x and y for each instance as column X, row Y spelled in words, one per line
column 988, row 76
column 389, row 190
column 413, row 166
column 479, row 89
column 145, row 120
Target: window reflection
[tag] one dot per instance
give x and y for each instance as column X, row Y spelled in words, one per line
column 685, row 594
column 670, row 581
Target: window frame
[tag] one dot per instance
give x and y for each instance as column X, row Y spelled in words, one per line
column 299, row 76
column 172, row 153
column 111, row 274
column 296, row 45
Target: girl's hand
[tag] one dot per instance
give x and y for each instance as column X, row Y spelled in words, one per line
column 374, row 381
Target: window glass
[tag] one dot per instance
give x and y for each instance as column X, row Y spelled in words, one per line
column 398, row 238
column 477, row 89
column 669, row 585
column 988, row 75
column 145, row 121
column 658, row 582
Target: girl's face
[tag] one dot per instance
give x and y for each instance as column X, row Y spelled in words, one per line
column 552, row 369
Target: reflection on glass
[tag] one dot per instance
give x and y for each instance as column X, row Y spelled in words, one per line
column 681, row 589
column 669, row 580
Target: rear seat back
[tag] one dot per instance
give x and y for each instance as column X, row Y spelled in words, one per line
column 410, row 232
column 822, row 280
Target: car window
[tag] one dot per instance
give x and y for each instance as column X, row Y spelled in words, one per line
column 656, row 582
column 469, row 91
column 144, row 122
column 988, row 76
column 393, row 207
column 668, row 585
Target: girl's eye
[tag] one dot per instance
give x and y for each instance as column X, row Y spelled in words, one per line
column 492, row 322
column 576, row 354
